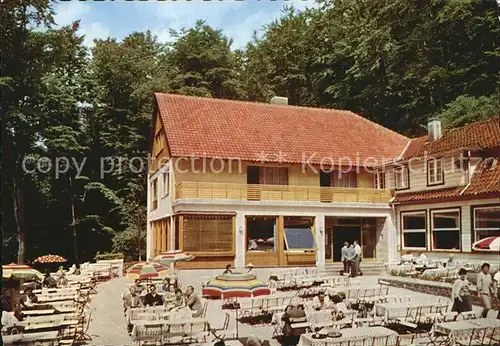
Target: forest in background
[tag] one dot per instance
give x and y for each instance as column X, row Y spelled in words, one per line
column 395, row 62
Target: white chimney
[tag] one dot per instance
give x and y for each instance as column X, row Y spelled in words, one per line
column 278, row 100
column 434, row 130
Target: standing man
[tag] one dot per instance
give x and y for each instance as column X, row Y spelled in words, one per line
column 485, row 288
column 343, row 258
column 351, row 257
column 357, row 248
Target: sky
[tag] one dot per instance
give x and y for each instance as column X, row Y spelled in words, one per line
column 237, row 19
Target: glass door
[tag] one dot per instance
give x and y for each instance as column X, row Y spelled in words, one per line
column 329, row 244
column 368, row 239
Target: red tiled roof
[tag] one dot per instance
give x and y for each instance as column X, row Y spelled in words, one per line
column 486, row 178
column 420, row 196
column 480, row 135
column 205, row 127
column 484, row 181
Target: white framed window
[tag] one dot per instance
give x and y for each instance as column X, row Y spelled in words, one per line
column 154, row 193
column 445, row 228
column 261, row 233
column 379, row 180
column 414, row 230
column 486, row 222
column 435, row 175
column 401, row 177
column 299, row 233
column 166, row 183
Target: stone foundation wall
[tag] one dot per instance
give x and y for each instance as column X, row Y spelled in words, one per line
column 435, row 288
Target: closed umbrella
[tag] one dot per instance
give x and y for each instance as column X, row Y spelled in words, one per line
column 50, row 259
column 20, row 271
column 147, row 270
column 235, row 285
column 174, row 256
column 488, row 244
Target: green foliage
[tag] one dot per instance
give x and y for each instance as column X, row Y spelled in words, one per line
column 467, row 109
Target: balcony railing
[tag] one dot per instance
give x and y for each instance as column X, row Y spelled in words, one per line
column 289, row 193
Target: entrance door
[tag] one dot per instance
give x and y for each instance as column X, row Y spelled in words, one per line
column 342, row 234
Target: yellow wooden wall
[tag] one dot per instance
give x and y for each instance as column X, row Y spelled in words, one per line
column 160, row 151
column 187, row 170
column 160, row 235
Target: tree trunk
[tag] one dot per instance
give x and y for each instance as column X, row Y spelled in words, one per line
column 139, row 235
column 19, row 216
column 73, row 221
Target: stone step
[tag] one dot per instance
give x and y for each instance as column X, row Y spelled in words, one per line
column 367, row 268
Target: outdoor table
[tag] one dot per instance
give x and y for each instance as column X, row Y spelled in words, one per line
column 32, row 339
column 453, row 331
column 486, row 322
column 354, row 336
column 38, row 312
column 392, row 311
column 31, row 326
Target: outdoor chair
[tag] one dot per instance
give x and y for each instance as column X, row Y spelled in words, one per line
column 480, row 337
column 406, row 340
column 223, row 333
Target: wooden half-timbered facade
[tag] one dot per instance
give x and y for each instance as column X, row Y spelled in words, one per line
column 447, row 192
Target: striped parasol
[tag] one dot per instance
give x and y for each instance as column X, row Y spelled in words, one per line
column 174, row 256
column 487, row 244
column 235, row 285
column 50, row 259
column 147, row 270
column 20, row 271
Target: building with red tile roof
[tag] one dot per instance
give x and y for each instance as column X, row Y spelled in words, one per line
column 447, row 190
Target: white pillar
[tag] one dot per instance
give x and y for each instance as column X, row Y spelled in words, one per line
column 172, row 233
column 390, row 230
column 320, row 241
column 149, row 241
column 239, row 260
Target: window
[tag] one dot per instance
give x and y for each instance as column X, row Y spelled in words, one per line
column 274, row 175
column 208, row 233
column 261, row 232
column 414, row 228
column 344, row 179
column 401, row 177
column 154, row 194
column 486, row 222
column 445, row 228
column 379, row 180
column 166, row 183
column 435, row 175
column 298, row 233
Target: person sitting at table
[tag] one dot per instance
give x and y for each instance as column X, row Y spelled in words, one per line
column 227, row 270
column 63, row 280
column 59, row 273
column 169, row 296
column 153, row 298
column 321, row 302
column 293, row 312
column 179, row 300
column 49, row 281
column 422, row 259
column 28, row 298
column 341, row 308
column 138, row 286
column 193, row 302
column 165, row 284
column 8, row 317
column 132, row 299
column 451, row 263
column 407, row 258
